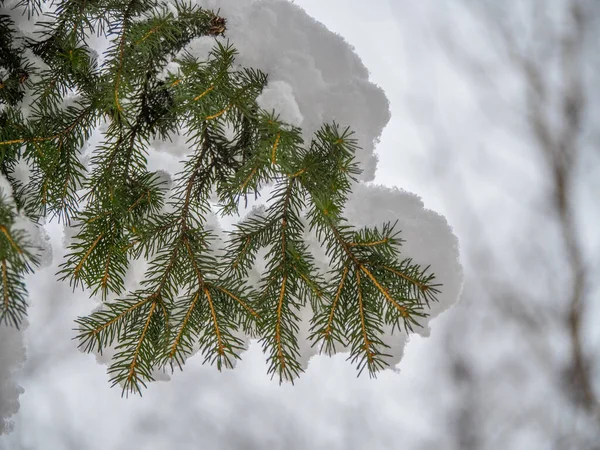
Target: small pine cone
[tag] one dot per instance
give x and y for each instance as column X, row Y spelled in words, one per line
column 217, row 26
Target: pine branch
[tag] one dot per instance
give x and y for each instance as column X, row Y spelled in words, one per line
column 192, row 299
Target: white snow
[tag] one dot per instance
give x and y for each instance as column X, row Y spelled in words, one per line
column 173, row 10
column 199, row 48
column 278, row 96
column 12, row 348
column 36, row 236
column 326, row 80
column 12, row 357
column 171, row 67
column 22, row 171
column 6, row 188
column 429, row 241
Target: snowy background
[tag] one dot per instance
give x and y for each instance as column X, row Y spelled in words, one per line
column 439, row 111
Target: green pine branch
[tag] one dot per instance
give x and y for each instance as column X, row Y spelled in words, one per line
column 192, row 298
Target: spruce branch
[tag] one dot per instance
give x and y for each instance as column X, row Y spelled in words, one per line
column 195, row 295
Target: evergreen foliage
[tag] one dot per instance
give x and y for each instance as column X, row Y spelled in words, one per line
column 191, row 298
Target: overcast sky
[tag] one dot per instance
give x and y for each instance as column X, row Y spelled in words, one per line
column 67, row 402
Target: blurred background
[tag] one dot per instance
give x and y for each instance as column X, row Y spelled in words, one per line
column 495, row 124
column 496, row 107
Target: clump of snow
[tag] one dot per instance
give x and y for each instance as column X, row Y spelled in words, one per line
column 279, row 96
column 317, row 73
column 199, row 48
column 229, row 132
column 171, row 67
column 70, row 99
column 22, row 171
column 429, row 241
column 164, row 179
column 173, row 10
column 12, row 357
column 175, row 146
column 37, row 237
column 6, row 189
column 12, row 350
